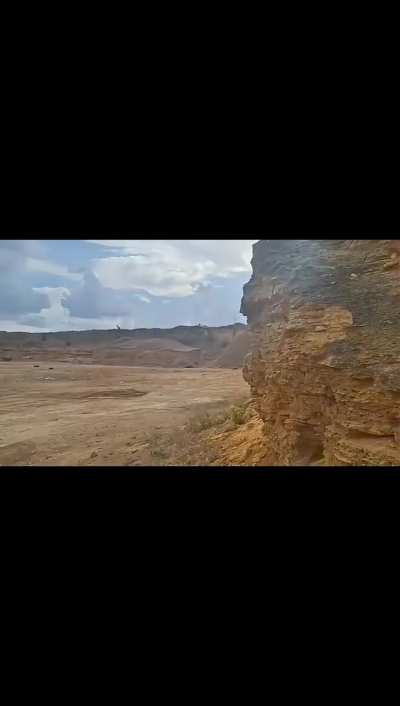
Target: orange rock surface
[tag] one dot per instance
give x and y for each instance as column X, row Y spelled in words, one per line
column 324, row 369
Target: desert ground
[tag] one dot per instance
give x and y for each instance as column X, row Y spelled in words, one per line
column 60, row 414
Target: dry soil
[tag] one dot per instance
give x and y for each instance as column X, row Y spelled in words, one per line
column 94, row 415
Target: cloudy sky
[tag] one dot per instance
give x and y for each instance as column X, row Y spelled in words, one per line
column 60, row 285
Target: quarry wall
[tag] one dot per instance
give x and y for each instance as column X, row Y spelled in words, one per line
column 324, row 369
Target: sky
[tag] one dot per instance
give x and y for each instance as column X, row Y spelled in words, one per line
column 66, row 285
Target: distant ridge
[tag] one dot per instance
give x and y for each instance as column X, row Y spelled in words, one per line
column 180, row 346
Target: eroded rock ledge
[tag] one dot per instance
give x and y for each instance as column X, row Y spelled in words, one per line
column 324, row 370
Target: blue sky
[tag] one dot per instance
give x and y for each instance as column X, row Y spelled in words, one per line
column 59, row 285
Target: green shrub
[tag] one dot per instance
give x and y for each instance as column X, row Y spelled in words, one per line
column 235, row 416
column 200, row 423
column 239, row 414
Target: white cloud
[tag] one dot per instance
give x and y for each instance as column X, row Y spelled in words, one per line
column 57, row 316
column 174, row 268
column 35, row 265
column 145, row 283
column 54, row 294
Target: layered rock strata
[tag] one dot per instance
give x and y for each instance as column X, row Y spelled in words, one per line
column 324, row 369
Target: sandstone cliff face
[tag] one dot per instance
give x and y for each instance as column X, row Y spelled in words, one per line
column 325, row 365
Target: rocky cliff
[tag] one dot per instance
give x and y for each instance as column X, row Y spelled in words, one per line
column 325, row 366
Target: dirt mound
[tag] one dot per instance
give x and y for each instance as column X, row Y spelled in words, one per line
column 234, row 355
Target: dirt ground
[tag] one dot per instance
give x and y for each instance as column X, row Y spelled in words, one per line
column 91, row 415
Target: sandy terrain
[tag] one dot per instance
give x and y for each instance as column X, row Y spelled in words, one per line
column 61, row 414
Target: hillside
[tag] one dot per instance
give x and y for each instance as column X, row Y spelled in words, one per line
column 182, row 346
column 233, row 355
